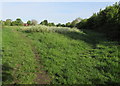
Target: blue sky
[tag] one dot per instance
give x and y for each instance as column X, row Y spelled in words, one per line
column 57, row 12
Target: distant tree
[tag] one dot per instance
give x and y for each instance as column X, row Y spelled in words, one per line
column 0, row 21
column 3, row 22
column 18, row 22
column 68, row 24
column 74, row 22
column 45, row 22
column 29, row 22
column 51, row 24
column 58, row 25
column 82, row 24
column 8, row 22
column 13, row 23
column 63, row 25
column 34, row 22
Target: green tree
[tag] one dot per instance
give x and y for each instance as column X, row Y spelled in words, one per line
column 45, row 22
column 18, row 22
column 8, row 22
column 0, row 21
column 106, row 21
column 3, row 22
column 74, row 22
column 82, row 24
column 51, row 24
column 29, row 22
column 63, row 25
column 68, row 24
column 13, row 23
column 58, row 25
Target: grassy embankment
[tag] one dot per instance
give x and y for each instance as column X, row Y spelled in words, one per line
column 68, row 55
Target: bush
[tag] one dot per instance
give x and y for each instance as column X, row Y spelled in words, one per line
column 43, row 28
column 106, row 21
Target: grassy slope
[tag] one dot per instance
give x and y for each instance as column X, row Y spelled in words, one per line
column 70, row 58
column 18, row 59
column 78, row 58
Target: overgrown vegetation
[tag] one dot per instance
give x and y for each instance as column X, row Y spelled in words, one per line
column 106, row 21
column 83, row 57
column 43, row 28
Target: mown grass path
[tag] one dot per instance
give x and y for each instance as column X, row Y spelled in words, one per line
column 21, row 60
column 41, row 76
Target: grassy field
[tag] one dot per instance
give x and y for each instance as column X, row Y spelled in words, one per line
column 18, row 62
column 68, row 56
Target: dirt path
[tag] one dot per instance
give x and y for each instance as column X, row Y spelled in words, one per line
column 42, row 76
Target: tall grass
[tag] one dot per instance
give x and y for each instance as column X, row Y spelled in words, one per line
column 75, row 56
column 42, row 28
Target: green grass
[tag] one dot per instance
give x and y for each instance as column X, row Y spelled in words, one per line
column 78, row 57
column 69, row 56
column 18, row 62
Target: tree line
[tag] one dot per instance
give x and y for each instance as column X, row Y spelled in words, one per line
column 19, row 22
column 105, row 21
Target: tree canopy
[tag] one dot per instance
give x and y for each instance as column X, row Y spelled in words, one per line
column 8, row 22
column 106, row 21
column 19, row 22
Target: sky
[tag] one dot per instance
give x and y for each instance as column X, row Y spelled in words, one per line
column 57, row 12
